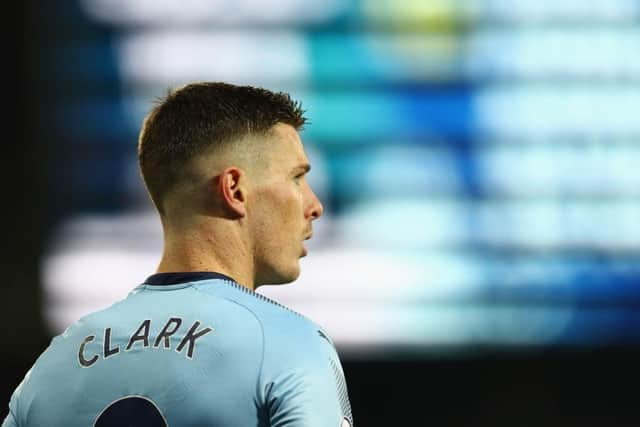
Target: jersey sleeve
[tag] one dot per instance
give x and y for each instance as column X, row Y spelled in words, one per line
column 9, row 421
column 303, row 383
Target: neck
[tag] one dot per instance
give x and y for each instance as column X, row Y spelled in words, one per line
column 214, row 246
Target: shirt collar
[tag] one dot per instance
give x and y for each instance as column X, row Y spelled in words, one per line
column 159, row 279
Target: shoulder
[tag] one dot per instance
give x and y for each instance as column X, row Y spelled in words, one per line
column 272, row 315
column 301, row 377
column 292, row 339
column 282, row 324
column 282, row 328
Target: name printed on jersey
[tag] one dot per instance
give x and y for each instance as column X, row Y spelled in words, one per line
column 88, row 355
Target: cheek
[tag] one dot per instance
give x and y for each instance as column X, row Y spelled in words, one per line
column 287, row 218
column 280, row 215
column 287, row 200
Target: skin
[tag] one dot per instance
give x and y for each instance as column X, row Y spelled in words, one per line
column 244, row 211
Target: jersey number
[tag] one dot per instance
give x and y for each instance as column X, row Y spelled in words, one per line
column 131, row 411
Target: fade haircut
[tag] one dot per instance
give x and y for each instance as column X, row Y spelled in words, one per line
column 201, row 116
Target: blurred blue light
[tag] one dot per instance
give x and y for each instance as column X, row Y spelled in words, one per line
column 477, row 159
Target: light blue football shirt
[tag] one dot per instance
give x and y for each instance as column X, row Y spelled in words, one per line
column 182, row 350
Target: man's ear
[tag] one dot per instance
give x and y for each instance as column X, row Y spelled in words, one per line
column 232, row 188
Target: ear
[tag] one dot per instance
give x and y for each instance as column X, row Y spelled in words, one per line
column 232, row 189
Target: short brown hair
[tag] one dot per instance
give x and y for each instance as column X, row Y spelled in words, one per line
column 199, row 116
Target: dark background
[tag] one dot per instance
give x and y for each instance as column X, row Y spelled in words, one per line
column 571, row 387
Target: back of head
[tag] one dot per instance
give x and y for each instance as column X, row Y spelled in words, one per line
column 201, row 117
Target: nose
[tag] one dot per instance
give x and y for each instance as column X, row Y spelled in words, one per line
column 315, row 208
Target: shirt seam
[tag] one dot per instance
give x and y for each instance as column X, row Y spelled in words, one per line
column 14, row 417
column 259, row 375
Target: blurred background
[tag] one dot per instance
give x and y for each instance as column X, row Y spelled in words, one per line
column 479, row 164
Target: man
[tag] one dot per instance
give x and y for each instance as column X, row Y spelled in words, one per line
column 194, row 345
